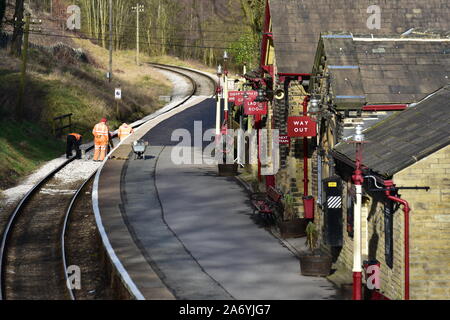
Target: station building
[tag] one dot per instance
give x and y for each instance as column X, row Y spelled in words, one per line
column 367, row 76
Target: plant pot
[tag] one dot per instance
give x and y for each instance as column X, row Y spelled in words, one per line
column 315, row 265
column 293, row 228
column 228, row 170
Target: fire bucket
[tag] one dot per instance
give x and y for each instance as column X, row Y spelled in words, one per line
column 308, row 205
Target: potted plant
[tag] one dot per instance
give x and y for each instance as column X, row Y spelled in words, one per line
column 314, row 263
column 291, row 226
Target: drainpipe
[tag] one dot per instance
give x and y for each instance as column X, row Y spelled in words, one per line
column 406, row 209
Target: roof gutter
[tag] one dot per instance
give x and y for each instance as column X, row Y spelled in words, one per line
column 385, row 107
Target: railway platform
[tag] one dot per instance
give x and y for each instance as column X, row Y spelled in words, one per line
column 182, row 232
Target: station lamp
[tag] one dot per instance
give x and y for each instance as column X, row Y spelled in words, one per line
column 314, row 104
column 225, row 56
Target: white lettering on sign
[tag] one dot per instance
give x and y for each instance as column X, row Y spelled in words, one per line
column 301, row 127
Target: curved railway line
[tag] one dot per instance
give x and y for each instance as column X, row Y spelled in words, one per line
column 33, row 257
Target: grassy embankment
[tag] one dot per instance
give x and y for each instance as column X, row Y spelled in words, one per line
column 58, row 84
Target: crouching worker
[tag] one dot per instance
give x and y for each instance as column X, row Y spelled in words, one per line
column 101, row 140
column 74, row 141
column 124, row 131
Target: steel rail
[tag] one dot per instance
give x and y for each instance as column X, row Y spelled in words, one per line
column 13, row 217
column 64, row 232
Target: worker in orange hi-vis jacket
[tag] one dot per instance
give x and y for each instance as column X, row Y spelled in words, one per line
column 101, row 140
column 124, row 131
column 74, row 141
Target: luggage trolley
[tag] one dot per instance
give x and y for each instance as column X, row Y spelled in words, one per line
column 139, row 148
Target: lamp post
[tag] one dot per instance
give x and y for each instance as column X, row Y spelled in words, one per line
column 218, row 92
column 358, row 180
column 262, row 99
column 225, row 88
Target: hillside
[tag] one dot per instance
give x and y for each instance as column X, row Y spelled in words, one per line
column 61, row 80
column 66, row 70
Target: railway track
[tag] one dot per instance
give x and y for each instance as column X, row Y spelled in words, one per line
column 33, row 257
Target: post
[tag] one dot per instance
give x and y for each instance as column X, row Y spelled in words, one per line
column 139, row 8
column 137, row 33
column 225, row 97
column 110, row 40
column 23, row 71
column 225, row 89
column 358, row 180
column 305, row 152
column 218, row 111
column 258, row 132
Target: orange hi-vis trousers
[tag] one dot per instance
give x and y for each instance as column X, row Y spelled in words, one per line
column 101, row 140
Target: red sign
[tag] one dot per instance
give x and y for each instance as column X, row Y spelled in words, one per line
column 252, row 108
column 285, row 140
column 301, row 127
column 238, row 97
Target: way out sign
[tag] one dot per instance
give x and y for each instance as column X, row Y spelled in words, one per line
column 118, row 94
column 301, row 127
column 253, row 108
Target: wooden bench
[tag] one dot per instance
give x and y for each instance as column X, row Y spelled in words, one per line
column 267, row 204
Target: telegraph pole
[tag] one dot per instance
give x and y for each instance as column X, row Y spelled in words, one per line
column 110, row 40
column 139, row 8
column 23, row 69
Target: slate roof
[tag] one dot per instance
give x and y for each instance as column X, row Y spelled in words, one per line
column 390, row 71
column 297, row 24
column 406, row 137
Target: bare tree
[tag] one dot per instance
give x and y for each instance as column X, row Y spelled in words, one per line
column 2, row 11
column 16, row 42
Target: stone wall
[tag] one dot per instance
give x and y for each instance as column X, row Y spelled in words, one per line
column 290, row 177
column 429, row 231
column 429, row 225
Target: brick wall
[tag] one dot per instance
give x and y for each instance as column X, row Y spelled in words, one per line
column 290, row 177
